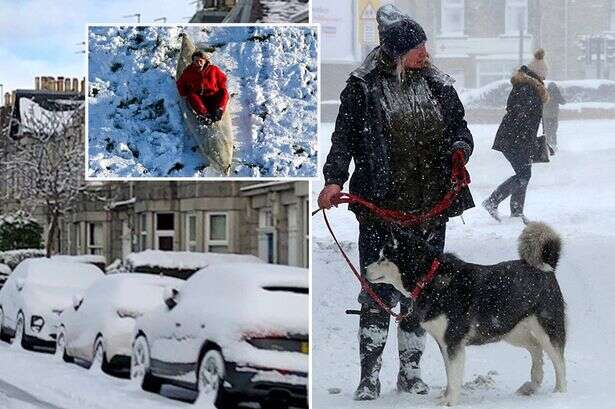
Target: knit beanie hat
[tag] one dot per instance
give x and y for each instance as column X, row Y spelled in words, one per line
column 398, row 32
column 538, row 64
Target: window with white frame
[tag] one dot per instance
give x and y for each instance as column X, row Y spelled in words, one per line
column 217, row 232
column 143, row 236
column 165, row 231
column 294, row 236
column 267, row 237
column 452, row 17
column 191, row 232
column 95, row 238
column 490, row 71
column 516, row 16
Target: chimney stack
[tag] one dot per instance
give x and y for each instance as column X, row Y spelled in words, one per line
column 37, row 83
column 60, row 84
column 83, row 86
column 75, row 85
column 7, row 99
column 67, row 84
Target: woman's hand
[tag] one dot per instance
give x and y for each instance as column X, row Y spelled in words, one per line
column 326, row 194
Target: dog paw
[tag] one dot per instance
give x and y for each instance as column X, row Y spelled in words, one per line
column 527, row 389
column 560, row 389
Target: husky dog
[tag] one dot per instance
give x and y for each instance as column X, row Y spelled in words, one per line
column 516, row 301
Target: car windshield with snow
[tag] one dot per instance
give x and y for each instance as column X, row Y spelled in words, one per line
column 98, row 327
column 35, row 295
column 233, row 332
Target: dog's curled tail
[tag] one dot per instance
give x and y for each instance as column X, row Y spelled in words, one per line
column 540, row 246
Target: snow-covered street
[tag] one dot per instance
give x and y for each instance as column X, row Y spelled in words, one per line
column 40, row 380
column 574, row 193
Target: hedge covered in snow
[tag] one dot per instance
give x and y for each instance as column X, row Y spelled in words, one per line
column 13, row 257
column 19, row 231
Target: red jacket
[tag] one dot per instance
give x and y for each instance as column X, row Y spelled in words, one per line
column 208, row 82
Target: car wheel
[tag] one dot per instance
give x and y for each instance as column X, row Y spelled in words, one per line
column 140, row 366
column 61, row 346
column 3, row 336
column 210, row 380
column 99, row 357
column 20, row 333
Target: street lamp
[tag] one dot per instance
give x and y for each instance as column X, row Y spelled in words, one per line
column 137, row 15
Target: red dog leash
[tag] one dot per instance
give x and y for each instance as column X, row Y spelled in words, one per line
column 460, row 178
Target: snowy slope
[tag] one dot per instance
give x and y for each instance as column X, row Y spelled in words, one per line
column 135, row 128
column 575, row 194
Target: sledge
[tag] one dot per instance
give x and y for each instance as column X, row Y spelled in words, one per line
column 215, row 141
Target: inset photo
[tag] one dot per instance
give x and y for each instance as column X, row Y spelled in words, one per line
column 202, row 101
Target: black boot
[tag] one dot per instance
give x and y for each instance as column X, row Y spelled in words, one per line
column 411, row 343
column 373, row 331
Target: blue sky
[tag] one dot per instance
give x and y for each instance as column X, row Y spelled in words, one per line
column 41, row 37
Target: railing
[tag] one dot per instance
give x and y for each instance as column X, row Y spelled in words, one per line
column 241, row 12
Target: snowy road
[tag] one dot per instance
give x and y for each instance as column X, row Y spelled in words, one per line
column 39, row 380
column 574, row 193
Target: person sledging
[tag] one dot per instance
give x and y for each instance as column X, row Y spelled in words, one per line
column 204, row 86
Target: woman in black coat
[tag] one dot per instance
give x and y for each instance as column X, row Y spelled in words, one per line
column 516, row 139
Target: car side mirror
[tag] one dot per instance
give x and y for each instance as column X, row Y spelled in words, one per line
column 19, row 283
column 77, row 300
column 170, row 297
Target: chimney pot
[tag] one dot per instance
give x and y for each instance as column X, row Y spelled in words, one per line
column 37, row 83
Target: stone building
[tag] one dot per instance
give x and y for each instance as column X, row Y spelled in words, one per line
column 476, row 41
column 266, row 219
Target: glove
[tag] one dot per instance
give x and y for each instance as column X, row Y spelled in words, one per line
column 216, row 116
column 459, row 174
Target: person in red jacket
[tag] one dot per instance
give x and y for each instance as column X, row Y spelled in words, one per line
column 204, row 85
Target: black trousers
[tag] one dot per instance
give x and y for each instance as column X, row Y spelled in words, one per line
column 515, row 186
column 374, row 323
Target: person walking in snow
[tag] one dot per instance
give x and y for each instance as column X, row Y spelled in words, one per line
column 204, row 86
column 402, row 123
column 516, row 136
column 550, row 115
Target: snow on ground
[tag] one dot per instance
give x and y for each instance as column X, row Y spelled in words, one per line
column 281, row 10
column 135, row 127
column 70, row 386
column 575, row 194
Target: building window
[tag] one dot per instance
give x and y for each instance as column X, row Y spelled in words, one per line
column 143, row 244
column 217, row 232
column 267, row 237
column 453, row 13
column 165, row 231
column 516, row 16
column 191, row 232
column 294, row 236
column 95, row 238
column 490, row 71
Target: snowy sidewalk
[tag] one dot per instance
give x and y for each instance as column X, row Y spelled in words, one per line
column 575, row 194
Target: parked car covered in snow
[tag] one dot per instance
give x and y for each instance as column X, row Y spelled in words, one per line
column 35, row 295
column 233, row 332
column 181, row 264
column 5, row 272
column 98, row 328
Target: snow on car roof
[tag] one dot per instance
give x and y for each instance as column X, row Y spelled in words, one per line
column 50, row 272
column 254, row 275
column 185, row 260
column 133, row 289
column 84, row 258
